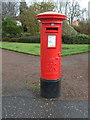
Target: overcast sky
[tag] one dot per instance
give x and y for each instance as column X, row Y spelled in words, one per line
column 83, row 3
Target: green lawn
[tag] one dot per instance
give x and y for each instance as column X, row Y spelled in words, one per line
column 34, row 48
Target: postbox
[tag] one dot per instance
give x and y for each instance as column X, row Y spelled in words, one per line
column 50, row 49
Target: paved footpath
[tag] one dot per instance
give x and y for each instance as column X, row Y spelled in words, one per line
column 18, row 102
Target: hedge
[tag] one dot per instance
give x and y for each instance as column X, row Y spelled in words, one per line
column 76, row 39
column 10, row 39
column 67, row 29
column 30, row 39
column 67, row 39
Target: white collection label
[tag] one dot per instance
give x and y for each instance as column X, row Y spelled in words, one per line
column 51, row 40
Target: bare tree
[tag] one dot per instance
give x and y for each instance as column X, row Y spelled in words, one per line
column 60, row 6
column 71, row 9
column 66, row 7
column 9, row 9
column 84, row 14
column 74, row 11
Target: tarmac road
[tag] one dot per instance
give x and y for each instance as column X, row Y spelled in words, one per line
column 32, row 107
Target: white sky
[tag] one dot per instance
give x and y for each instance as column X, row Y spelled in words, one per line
column 83, row 3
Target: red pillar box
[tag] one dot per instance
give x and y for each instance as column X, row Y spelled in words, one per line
column 51, row 40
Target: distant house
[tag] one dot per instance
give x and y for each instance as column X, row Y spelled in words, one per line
column 18, row 23
column 76, row 23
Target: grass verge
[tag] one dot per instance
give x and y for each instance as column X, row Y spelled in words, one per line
column 34, row 48
column 34, row 87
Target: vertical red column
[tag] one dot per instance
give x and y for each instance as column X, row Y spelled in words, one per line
column 51, row 40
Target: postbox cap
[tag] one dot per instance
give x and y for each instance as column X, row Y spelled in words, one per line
column 50, row 15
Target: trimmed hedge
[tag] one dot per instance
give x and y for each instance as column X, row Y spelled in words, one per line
column 10, row 39
column 76, row 39
column 30, row 39
column 67, row 39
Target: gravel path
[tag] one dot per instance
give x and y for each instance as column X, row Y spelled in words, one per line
column 20, row 69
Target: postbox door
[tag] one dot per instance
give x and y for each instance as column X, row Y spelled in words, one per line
column 51, row 54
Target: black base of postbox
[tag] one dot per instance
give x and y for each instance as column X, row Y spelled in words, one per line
column 50, row 88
